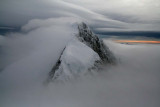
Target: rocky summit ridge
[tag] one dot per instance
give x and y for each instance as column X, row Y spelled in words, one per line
column 84, row 54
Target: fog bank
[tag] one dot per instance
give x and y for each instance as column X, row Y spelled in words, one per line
column 27, row 58
column 134, row 82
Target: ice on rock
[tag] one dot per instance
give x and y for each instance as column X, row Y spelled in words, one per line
column 93, row 41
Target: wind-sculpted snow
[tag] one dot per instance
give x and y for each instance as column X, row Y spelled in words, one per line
column 77, row 59
column 81, row 56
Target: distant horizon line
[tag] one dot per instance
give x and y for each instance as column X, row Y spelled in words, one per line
column 131, row 33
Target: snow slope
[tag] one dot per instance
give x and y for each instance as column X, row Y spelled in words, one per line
column 77, row 59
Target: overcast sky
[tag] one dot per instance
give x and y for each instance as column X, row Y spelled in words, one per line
column 101, row 15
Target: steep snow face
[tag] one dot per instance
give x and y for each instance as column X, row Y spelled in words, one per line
column 77, row 59
column 81, row 55
column 89, row 38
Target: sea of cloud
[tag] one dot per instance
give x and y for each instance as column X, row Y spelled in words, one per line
column 27, row 57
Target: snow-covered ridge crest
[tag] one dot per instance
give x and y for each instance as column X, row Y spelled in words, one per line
column 83, row 55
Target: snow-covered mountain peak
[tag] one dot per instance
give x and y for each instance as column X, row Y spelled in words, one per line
column 82, row 55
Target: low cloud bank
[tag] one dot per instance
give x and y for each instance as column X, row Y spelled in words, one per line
column 26, row 59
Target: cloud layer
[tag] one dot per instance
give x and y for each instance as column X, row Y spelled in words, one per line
column 27, row 57
column 134, row 82
column 101, row 15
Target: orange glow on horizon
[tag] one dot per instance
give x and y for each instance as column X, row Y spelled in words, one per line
column 137, row 41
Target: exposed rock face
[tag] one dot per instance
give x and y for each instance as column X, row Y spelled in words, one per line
column 92, row 40
column 82, row 55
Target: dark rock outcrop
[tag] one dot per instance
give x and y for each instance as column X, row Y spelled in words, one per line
column 89, row 38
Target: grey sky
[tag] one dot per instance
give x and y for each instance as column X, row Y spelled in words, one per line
column 101, row 15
